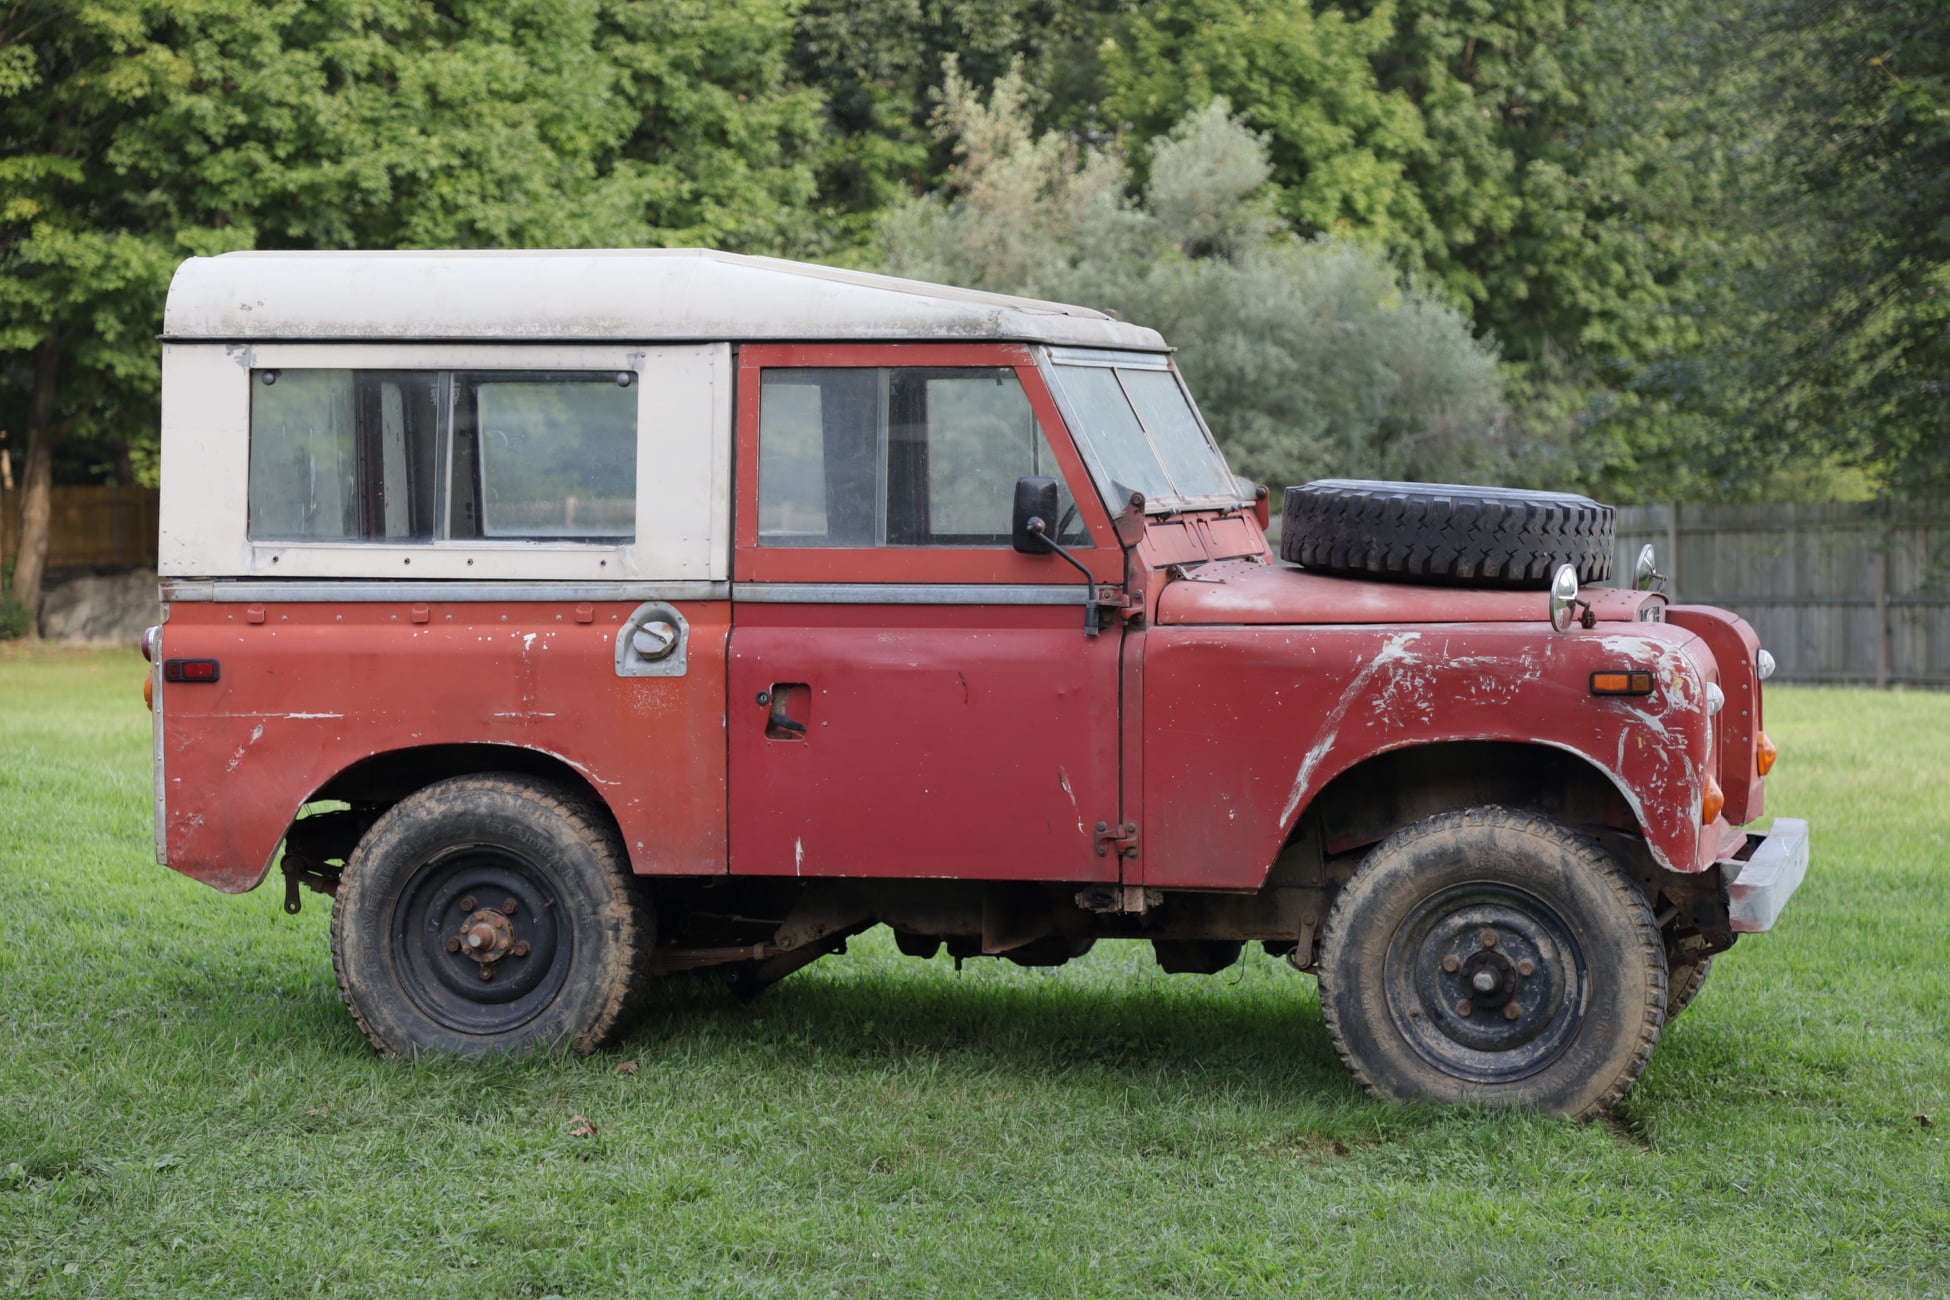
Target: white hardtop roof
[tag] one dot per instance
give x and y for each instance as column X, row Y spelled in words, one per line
column 621, row 294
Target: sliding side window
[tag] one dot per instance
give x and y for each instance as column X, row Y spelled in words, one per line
column 397, row 455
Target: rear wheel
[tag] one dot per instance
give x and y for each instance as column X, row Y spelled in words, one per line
column 1496, row 957
column 488, row 914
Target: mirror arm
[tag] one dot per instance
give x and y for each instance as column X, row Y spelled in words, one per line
column 1041, row 529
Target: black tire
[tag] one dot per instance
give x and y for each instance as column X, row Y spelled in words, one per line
column 437, row 871
column 1685, row 983
column 1405, row 942
column 1445, row 534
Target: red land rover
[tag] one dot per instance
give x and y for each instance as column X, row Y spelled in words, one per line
column 579, row 618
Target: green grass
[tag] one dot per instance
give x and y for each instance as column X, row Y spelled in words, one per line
column 187, row 1109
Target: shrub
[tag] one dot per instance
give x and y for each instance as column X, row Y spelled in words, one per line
column 16, row 620
column 1310, row 358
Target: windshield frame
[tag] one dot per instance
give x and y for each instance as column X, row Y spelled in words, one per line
column 1053, row 360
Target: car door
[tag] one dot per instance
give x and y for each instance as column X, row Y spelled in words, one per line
column 908, row 695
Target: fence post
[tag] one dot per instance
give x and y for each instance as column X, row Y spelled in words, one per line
column 1672, row 547
column 1885, row 650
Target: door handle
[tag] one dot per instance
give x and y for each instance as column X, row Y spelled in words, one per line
column 779, row 724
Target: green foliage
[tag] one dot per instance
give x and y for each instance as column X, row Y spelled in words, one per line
column 1705, row 236
column 1854, row 348
column 138, row 132
column 16, row 620
column 1310, row 358
column 879, row 64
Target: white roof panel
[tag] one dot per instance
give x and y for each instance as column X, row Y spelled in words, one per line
column 649, row 294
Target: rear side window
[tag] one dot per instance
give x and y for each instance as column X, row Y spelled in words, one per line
column 897, row 456
column 422, row 455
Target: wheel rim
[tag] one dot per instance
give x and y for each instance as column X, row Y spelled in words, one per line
column 473, row 910
column 1486, row 982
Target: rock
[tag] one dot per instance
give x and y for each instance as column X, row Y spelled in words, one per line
column 114, row 609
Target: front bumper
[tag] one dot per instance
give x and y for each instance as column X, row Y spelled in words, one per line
column 1768, row 877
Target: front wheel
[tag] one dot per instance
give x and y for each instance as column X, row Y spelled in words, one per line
column 1496, row 957
column 488, row 914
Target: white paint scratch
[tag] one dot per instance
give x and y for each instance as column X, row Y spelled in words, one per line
column 1063, row 779
column 798, row 855
column 257, row 734
column 1395, row 651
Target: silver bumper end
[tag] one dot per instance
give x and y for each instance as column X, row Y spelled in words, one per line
column 1769, row 876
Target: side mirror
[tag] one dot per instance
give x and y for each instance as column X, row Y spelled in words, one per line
column 1035, row 504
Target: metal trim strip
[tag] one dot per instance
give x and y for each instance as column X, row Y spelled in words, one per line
column 883, row 593
column 315, row 590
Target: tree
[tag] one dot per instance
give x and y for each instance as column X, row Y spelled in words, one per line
column 1310, row 357
column 1852, row 360
column 139, row 132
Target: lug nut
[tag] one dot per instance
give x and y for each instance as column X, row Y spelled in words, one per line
column 1511, row 1010
column 1526, row 968
column 1463, row 1008
column 487, row 972
column 1484, row 981
column 521, row 948
column 468, row 904
column 508, row 906
column 1489, row 938
column 453, row 945
column 1451, row 964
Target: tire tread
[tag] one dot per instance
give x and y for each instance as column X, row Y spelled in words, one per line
column 1589, row 854
column 626, row 968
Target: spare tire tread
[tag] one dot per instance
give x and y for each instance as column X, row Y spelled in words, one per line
column 1445, row 533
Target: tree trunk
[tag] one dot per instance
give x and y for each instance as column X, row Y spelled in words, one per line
column 37, row 484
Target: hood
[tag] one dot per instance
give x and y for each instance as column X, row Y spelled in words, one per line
column 1241, row 591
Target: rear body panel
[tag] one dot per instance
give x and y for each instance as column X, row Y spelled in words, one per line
column 310, row 689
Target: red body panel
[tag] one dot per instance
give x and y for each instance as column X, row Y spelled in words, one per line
column 1240, row 591
column 941, row 741
column 1245, row 725
column 314, row 688
column 1737, row 651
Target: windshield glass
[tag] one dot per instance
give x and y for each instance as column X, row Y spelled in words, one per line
column 1140, row 432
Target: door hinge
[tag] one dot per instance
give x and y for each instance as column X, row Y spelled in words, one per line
column 1123, row 837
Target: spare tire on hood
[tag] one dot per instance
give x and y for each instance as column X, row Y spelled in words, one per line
column 1445, row 533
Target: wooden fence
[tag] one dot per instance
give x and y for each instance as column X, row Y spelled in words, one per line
column 94, row 525
column 1845, row 594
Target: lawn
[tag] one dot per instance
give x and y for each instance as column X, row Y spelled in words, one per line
column 187, row 1109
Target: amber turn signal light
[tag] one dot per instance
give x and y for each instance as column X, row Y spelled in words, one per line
column 149, row 691
column 1765, row 754
column 1607, row 682
column 1711, row 801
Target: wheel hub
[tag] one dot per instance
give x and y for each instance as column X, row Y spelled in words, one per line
column 1486, row 982
column 480, row 945
column 486, row 935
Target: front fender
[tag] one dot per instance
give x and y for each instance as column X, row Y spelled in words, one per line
column 1244, row 726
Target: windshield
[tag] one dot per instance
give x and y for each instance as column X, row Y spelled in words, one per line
column 1139, row 430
